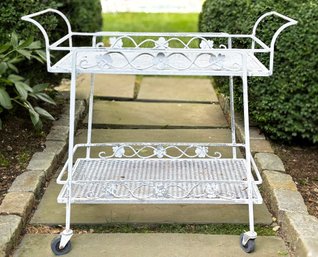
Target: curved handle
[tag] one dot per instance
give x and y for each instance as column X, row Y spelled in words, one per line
column 29, row 18
column 290, row 22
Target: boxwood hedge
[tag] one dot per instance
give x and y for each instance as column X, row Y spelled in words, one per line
column 285, row 105
column 84, row 16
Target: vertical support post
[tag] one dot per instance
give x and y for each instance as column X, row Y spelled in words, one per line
column 71, row 141
column 90, row 109
column 233, row 131
column 232, row 111
column 247, row 148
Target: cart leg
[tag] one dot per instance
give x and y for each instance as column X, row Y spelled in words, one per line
column 90, row 108
column 90, row 116
column 62, row 244
column 247, row 239
column 232, row 113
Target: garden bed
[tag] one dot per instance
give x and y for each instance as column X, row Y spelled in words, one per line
column 301, row 162
column 19, row 141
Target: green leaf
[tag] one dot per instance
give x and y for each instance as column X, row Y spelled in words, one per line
column 15, row 78
column 44, row 97
column 40, row 87
column 25, row 53
column 16, row 59
column 3, row 67
column 5, row 100
column 4, row 48
column 34, row 45
column 14, row 39
column 26, row 43
column 13, row 67
column 35, row 117
column 38, row 58
column 23, row 89
column 41, row 53
column 44, row 113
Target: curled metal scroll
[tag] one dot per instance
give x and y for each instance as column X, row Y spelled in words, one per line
column 168, row 190
column 159, row 151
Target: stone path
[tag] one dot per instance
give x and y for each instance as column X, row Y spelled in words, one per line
column 151, row 245
column 152, row 112
column 170, row 89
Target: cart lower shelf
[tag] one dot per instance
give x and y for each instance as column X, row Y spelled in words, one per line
column 165, row 181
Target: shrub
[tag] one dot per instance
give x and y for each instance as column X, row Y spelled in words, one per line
column 285, row 105
column 15, row 90
column 84, row 16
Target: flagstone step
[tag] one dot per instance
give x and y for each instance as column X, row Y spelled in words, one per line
column 106, row 86
column 176, row 89
column 154, row 245
column 138, row 114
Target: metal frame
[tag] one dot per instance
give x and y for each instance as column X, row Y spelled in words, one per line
column 197, row 55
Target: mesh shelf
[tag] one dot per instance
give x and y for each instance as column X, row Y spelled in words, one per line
column 159, row 181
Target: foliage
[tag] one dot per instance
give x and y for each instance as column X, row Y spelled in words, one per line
column 84, row 16
column 12, row 11
column 285, row 105
column 15, row 89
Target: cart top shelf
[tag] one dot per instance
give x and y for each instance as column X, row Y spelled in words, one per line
column 213, row 54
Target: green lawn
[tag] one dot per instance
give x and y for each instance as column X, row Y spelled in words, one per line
column 150, row 22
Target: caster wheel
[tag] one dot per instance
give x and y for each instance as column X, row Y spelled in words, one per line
column 249, row 246
column 56, row 249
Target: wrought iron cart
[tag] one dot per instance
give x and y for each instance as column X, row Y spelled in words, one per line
column 160, row 172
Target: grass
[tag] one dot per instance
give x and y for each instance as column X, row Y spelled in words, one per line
column 150, row 22
column 212, row 229
column 4, row 162
column 23, row 157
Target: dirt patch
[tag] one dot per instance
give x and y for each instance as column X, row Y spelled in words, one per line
column 301, row 162
column 19, row 141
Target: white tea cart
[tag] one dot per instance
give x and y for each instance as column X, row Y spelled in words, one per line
column 160, row 172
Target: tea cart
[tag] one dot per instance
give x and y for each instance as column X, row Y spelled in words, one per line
column 160, row 172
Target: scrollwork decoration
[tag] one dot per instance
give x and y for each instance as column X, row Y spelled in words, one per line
column 159, row 151
column 166, row 190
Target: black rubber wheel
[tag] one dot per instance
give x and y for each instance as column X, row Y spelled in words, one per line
column 250, row 245
column 56, row 249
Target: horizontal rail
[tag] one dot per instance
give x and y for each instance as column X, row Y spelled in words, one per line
column 158, row 143
column 151, row 50
column 123, row 181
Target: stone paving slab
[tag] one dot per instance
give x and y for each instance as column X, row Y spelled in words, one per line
column 51, row 213
column 154, row 245
column 177, row 89
column 155, row 135
column 109, row 86
column 10, row 228
column 157, row 114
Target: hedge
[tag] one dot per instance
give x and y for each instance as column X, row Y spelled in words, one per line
column 84, row 16
column 284, row 105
